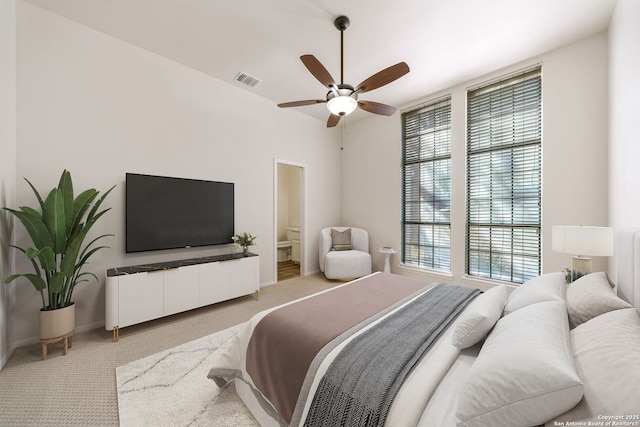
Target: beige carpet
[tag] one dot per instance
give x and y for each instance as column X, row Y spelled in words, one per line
column 79, row 389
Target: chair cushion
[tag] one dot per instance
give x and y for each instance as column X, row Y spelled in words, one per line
column 341, row 240
column 347, row 264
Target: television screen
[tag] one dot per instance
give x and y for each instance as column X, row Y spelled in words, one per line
column 166, row 213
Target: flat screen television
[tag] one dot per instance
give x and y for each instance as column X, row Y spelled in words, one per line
column 168, row 213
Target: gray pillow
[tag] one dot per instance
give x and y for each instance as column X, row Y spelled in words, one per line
column 340, row 240
column 590, row 296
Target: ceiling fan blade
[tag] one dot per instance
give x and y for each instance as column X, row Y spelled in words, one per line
column 301, row 103
column 376, row 108
column 383, row 77
column 317, row 69
column 333, row 120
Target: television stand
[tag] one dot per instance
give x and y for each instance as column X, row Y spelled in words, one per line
column 140, row 293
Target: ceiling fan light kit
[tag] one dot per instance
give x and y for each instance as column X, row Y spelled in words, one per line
column 342, row 99
column 342, row 105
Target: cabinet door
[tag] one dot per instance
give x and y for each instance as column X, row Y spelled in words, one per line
column 181, row 289
column 244, row 276
column 214, row 282
column 139, row 298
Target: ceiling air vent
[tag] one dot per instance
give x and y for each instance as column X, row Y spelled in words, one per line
column 246, row 79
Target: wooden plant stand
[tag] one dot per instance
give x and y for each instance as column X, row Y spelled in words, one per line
column 66, row 343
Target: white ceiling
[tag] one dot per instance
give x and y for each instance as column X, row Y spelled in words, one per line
column 444, row 42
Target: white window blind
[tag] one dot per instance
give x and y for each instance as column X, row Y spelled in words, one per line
column 426, row 186
column 504, row 128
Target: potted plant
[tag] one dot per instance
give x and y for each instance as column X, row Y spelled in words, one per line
column 244, row 241
column 58, row 255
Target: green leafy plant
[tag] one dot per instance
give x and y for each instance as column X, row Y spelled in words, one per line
column 244, row 241
column 58, row 231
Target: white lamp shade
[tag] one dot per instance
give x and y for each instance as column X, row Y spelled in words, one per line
column 583, row 240
column 342, row 105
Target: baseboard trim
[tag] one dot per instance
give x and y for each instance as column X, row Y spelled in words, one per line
column 7, row 356
column 36, row 340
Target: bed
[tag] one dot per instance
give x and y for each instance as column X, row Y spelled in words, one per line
column 547, row 354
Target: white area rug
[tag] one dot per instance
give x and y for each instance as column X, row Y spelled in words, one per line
column 171, row 388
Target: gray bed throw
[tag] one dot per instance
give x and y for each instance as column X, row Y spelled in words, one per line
column 360, row 384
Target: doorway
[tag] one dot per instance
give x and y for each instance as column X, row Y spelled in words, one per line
column 289, row 220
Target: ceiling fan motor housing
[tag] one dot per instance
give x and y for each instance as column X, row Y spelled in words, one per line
column 341, row 23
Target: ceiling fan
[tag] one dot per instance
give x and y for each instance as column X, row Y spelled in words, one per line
column 342, row 99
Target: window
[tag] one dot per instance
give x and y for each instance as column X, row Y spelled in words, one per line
column 504, row 127
column 426, row 186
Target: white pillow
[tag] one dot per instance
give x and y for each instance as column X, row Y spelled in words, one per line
column 477, row 320
column 606, row 352
column 547, row 287
column 525, row 373
column 590, row 296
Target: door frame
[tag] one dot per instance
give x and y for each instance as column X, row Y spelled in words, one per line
column 303, row 215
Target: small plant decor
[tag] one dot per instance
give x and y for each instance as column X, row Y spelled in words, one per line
column 244, row 241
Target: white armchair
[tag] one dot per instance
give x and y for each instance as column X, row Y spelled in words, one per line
column 344, row 262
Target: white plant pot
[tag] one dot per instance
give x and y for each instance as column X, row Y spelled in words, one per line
column 57, row 323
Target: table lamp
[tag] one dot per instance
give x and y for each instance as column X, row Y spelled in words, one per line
column 582, row 242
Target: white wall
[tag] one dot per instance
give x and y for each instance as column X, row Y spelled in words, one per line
column 574, row 158
column 100, row 107
column 624, row 115
column 7, row 162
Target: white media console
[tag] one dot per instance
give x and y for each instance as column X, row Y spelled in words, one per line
column 140, row 293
